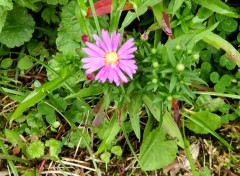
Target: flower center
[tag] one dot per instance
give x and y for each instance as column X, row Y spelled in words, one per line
column 111, row 58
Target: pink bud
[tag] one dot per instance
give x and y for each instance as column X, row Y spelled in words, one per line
column 144, row 37
column 84, row 38
column 90, row 76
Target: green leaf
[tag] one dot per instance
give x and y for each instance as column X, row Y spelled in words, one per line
column 27, row 3
column 226, row 80
column 207, row 103
column 35, row 149
column 25, row 63
column 55, row 147
column 133, row 110
column 38, row 94
column 200, row 35
column 13, row 138
column 110, row 133
column 214, row 77
column 150, row 156
column 6, row 63
column 202, row 15
column 141, row 10
column 86, row 92
column 5, row 5
column 229, row 25
column 203, row 125
column 177, row 4
column 66, row 44
column 213, row 122
column 18, row 28
column 217, row 6
column 70, row 22
column 49, row 14
column 168, row 123
column 77, row 138
column 45, row 109
column 117, row 150
column 105, row 157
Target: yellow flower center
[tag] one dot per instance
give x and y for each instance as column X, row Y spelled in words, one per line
column 111, row 58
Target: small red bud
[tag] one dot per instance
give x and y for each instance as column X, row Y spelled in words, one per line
column 84, row 38
column 90, row 76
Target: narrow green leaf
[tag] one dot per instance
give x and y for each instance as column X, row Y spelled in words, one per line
column 177, row 4
column 217, row 6
column 86, row 92
column 10, row 162
column 218, row 42
column 37, row 95
column 200, row 36
column 141, row 10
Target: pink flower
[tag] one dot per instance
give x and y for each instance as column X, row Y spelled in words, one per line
column 111, row 62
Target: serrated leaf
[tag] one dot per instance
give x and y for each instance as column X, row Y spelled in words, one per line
column 3, row 16
column 49, row 14
column 211, row 120
column 18, row 28
column 66, row 44
column 35, row 149
column 5, row 5
column 70, row 22
column 150, row 156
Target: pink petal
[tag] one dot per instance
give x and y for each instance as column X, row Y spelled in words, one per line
column 116, row 78
column 126, row 57
column 90, row 52
column 107, row 40
column 92, row 59
column 127, row 45
column 96, row 49
column 110, row 75
column 121, row 75
column 129, row 51
column 128, row 63
column 115, row 41
column 99, row 42
column 101, row 73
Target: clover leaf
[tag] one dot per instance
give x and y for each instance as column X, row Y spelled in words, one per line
column 18, row 28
